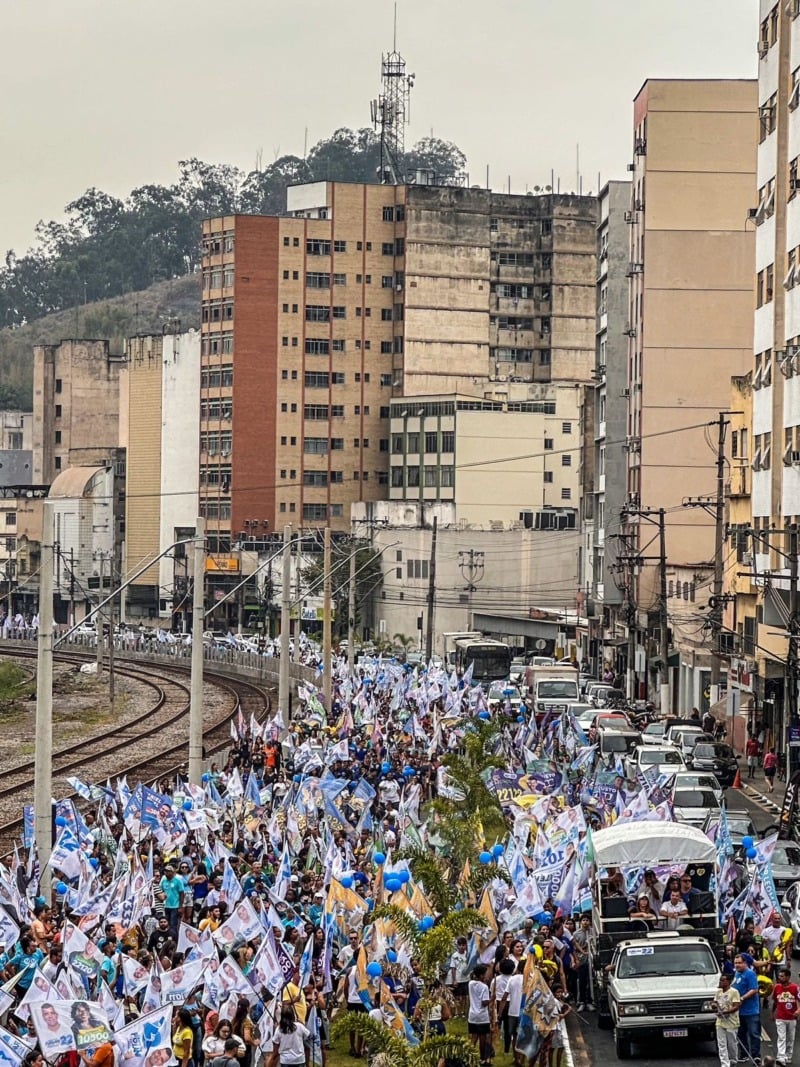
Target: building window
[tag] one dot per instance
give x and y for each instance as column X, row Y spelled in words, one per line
column 432, row 441
column 412, row 477
column 417, row 568
column 566, row 494
column 448, row 441
column 57, row 463
column 318, row 280
column 548, row 444
column 58, row 385
column 316, row 346
column 397, row 477
column 548, row 477
column 566, row 461
column 566, row 427
column 317, row 313
column 338, row 345
column 386, row 381
column 340, row 279
column 388, row 214
column 58, row 412
column 317, row 248
column 413, row 442
column 386, row 348
column 58, row 437
column 340, row 246
column 447, row 477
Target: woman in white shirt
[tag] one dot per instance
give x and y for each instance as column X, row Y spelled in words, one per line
column 514, row 1008
column 478, row 1021
column 289, row 1046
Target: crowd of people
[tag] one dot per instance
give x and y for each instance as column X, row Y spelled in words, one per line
column 254, row 917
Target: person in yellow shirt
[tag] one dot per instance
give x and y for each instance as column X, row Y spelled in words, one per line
column 294, row 996
column 183, row 1038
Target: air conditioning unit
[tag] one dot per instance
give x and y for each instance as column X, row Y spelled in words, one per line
column 640, row 147
column 628, row 216
column 763, row 48
column 630, row 331
column 635, row 268
column 747, row 559
column 631, row 166
column 624, row 392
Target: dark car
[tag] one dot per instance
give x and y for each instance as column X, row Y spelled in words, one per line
column 716, row 757
column 785, row 863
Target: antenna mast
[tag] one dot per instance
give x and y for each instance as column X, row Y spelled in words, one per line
column 391, row 112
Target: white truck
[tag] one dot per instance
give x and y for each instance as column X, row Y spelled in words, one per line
column 552, row 688
column 652, row 983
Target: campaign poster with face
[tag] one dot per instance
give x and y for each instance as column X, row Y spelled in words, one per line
column 63, row 1025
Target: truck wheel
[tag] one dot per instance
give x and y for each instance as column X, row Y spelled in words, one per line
column 622, row 1045
column 604, row 1020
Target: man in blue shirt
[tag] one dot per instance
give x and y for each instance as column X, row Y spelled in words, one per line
column 745, row 982
column 173, row 887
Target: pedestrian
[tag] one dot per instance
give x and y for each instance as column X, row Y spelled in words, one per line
column 726, row 1006
column 751, row 751
column 745, row 983
column 478, row 1019
column 770, row 767
column 785, row 1006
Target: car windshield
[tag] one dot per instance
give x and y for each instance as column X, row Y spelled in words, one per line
column 786, row 855
column 661, row 960
column 695, row 798
column 740, row 827
column 697, row 781
column 651, row 756
column 702, row 750
column 617, row 742
column 655, row 729
column 507, row 692
column 557, row 690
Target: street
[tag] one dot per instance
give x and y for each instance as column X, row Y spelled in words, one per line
column 595, row 1047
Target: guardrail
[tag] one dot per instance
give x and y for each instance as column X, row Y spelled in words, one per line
column 248, row 665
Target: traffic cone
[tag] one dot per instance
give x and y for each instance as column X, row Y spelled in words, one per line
column 737, row 781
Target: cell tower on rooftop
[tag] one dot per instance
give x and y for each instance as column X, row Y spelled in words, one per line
column 391, row 112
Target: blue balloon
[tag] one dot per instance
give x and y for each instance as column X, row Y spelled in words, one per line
column 361, row 878
column 498, row 851
column 379, row 859
column 347, row 881
column 751, row 853
column 94, row 862
column 404, row 877
column 187, row 805
column 206, row 778
column 747, row 842
column 297, row 778
column 520, row 718
column 425, row 923
column 374, row 969
column 485, row 857
column 392, row 883
column 409, row 772
column 60, row 820
column 61, row 888
column 484, row 715
column 386, row 767
column 391, row 956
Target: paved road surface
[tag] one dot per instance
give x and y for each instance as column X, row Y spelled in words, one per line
column 592, row 1047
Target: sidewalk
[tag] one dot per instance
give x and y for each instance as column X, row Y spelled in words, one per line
column 756, row 790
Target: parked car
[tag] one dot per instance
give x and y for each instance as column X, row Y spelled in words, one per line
column 693, row 806
column 687, row 739
column 612, row 720
column 716, row 757
column 664, row 759
column 790, row 912
column 740, row 825
column 785, row 864
column 500, row 692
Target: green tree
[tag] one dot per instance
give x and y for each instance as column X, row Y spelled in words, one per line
column 369, row 577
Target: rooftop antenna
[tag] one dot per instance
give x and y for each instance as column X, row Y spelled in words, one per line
column 391, row 112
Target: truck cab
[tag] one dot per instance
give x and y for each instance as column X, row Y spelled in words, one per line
column 649, row 981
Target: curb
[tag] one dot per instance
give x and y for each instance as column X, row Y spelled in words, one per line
column 761, row 799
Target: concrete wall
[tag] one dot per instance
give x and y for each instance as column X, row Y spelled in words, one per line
column 144, row 417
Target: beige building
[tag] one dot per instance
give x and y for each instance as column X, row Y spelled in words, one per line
column 162, row 416
column 312, row 323
column 504, row 463
column 16, row 431
column 76, row 389
column 690, row 309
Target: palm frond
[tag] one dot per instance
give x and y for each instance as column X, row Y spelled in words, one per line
column 433, row 1050
column 405, row 923
column 377, row 1036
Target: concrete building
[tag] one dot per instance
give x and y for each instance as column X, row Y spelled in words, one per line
column 163, row 452
column 768, row 538
column 76, row 390
column 505, row 462
column 312, row 323
column 500, row 580
column 690, row 312
column 16, row 431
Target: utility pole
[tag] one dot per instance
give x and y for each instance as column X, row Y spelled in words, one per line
column 431, row 592
column 297, row 600
column 327, row 679
column 666, row 705
column 111, row 686
column 472, row 567
column 791, row 659
column 351, row 615
column 196, row 684
column 719, row 542
column 43, row 769
column 286, row 605
column 98, row 619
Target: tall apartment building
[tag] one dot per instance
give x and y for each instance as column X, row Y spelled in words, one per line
column 311, row 323
column 162, row 415
column 762, row 614
column 76, row 390
column 690, row 311
column 610, row 395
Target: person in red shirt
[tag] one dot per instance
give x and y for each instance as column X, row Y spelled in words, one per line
column 770, row 767
column 785, row 1004
column 751, row 751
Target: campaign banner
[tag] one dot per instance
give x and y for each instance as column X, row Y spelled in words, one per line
column 508, row 785
column 66, row 1025
column 178, row 984
column 28, row 833
column 242, row 925
column 146, row 1042
column 13, row 1049
column 135, row 976
column 80, row 953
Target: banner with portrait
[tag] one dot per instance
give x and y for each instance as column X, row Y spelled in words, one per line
column 69, row 1025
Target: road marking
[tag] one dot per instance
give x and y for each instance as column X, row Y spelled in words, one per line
column 763, row 801
column 581, row 1057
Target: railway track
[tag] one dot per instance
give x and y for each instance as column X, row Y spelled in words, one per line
column 107, row 751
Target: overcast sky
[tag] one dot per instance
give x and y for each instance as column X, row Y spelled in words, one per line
column 112, row 93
